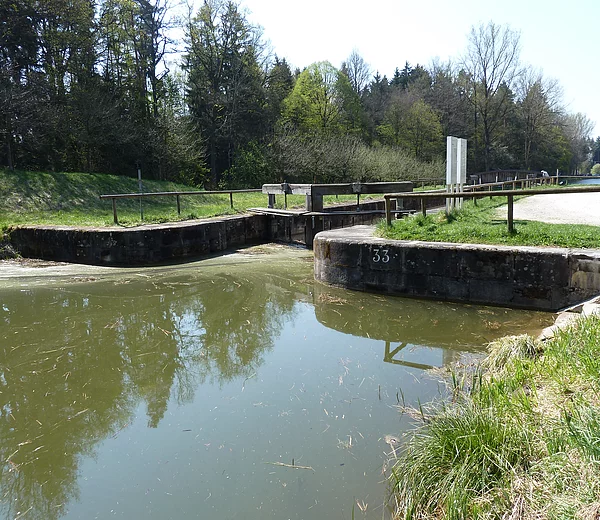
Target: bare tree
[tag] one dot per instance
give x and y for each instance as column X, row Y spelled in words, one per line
column 539, row 108
column 492, row 66
column 578, row 129
column 358, row 71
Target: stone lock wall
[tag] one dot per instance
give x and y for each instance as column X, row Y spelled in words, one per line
column 179, row 241
column 526, row 277
column 144, row 245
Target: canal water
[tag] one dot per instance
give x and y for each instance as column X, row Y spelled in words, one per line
column 231, row 388
column 588, row 181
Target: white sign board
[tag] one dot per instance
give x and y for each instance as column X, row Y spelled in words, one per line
column 456, row 168
column 461, row 161
column 451, row 150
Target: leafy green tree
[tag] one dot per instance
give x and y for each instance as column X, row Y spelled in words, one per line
column 391, row 128
column 322, row 102
column 376, row 99
column 596, row 150
column 315, row 104
column 18, row 61
column 415, row 128
column 251, row 168
column 279, row 83
column 422, row 132
column 225, row 88
column 577, row 129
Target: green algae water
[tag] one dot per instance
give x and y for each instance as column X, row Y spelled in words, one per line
column 231, row 388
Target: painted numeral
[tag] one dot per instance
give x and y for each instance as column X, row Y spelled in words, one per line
column 381, row 255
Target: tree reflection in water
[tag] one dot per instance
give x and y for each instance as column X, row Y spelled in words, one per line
column 76, row 361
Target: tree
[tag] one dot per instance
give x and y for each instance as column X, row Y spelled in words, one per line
column 446, row 96
column 538, row 109
column 225, row 91
column 376, row 100
column 415, row 127
column 279, row 84
column 133, row 43
column 491, row 64
column 18, row 61
column 596, row 150
column 578, row 129
column 393, row 121
column 358, row 72
column 319, row 99
column 422, row 132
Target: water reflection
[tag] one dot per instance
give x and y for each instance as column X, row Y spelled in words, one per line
column 75, row 361
column 78, row 359
column 451, row 329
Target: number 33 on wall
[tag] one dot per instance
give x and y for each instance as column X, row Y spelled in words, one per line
column 380, row 256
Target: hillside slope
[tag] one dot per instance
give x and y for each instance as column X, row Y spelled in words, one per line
column 73, row 199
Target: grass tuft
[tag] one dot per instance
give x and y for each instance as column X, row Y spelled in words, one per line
column 505, row 350
column 522, row 442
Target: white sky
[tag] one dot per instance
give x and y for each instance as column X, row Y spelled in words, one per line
column 562, row 38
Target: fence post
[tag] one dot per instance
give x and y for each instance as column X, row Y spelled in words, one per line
column 178, row 205
column 388, row 211
column 511, row 226
column 114, row 202
column 231, row 199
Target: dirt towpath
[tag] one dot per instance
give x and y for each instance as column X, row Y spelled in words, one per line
column 568, row 208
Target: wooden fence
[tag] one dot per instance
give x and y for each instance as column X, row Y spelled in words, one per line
column 423, row 197
column 176, row 194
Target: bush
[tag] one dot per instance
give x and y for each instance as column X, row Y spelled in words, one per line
column 337, row 158
column 596, row 169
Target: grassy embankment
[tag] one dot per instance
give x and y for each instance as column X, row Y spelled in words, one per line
column 72, row 199
column 518, row 438
column 480, row 224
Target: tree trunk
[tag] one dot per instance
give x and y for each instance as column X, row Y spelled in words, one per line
column 9, row 148
column 214, row 179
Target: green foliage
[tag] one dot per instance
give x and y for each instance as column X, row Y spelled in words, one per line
column 323, row 102
column 86, row 87
column 314, row 105
column 416, row 129
column 462, row 453
column 595, row 169
column 521, row 434
column 320, row 158
column 225, row 90
column 251, row 168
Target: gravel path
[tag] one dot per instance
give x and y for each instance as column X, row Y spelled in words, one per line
column 568, row 208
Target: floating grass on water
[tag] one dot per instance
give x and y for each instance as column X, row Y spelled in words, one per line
column 293, row 466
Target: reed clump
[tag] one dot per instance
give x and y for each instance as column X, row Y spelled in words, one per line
column 519, row 437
